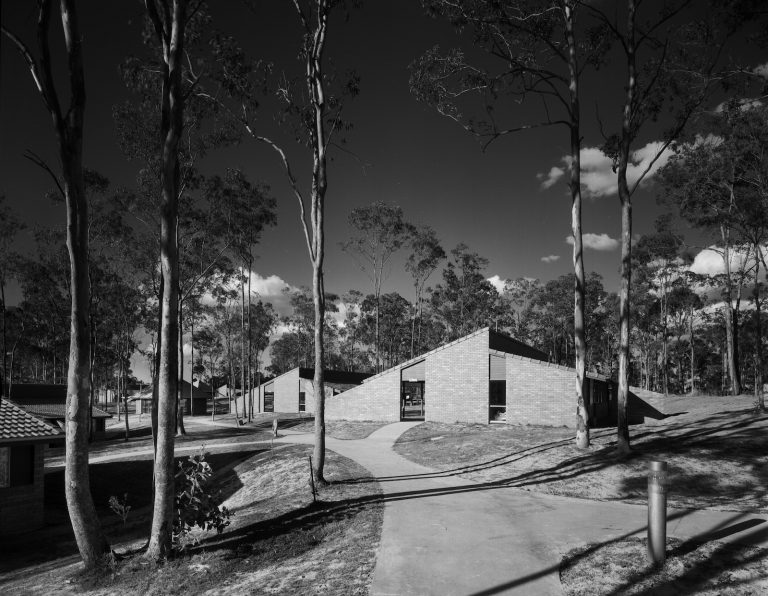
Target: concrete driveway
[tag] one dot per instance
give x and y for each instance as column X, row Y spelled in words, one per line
column 445, row 535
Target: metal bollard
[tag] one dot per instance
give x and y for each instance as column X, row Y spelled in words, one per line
column 657, row 512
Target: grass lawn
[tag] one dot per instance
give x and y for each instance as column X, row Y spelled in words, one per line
column 717, row 452
column 278, row 540
column 621, row 567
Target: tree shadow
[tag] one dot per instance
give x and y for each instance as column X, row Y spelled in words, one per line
column 746, row 441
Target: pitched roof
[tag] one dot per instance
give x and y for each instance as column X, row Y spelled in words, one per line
column 18, row 426
column 47, row 409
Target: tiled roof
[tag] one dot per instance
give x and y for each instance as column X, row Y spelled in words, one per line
column 16, row 424
column 56, row 410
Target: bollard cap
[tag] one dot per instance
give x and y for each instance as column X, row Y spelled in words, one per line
column 657, row 466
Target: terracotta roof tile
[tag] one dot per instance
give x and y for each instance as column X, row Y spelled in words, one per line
column 15, row 424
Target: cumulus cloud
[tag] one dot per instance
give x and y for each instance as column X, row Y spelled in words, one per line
column 597, row 176
column 550, row 258
column 596, row 241
column 709, row 261
column 550, row 179
column 497, row 282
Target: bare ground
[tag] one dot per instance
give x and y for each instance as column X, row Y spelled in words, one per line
column 279, row 541
column 716, row 449
column 620, row 568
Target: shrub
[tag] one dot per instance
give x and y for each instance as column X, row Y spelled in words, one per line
column 198, row 507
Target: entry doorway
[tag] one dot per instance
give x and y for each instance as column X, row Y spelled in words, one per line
column 412, row 400
column 497, row 401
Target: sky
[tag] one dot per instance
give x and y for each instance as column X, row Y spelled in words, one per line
column 509, row 203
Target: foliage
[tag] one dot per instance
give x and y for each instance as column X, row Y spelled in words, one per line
column 121, row 508
column 197, row 506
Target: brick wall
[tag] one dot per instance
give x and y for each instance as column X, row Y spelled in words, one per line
column 287, row 392
column 21, row 507
column 540, row 392
column 456, row 383
column 376, row 399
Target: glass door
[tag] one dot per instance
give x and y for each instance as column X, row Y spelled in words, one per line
column 412, row 400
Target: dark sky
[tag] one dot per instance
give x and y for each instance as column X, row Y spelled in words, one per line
column 492, row 201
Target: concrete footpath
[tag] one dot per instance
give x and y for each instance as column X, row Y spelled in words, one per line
column 445, row 535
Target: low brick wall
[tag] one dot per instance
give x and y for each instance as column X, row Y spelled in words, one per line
column 376, row 399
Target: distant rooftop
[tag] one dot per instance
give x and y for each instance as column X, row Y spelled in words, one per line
column 18, row 426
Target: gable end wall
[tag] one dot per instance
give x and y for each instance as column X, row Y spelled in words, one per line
column 456, row 385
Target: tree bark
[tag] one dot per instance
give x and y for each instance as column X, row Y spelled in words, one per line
column 316, row 90
column 733, row 367
column 68, row 126
column 246, row 411
column 625, row 198
column 180, row 430
column 580, row 347
column 758, row 336
column 171, row 36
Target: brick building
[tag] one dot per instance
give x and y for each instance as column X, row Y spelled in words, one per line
column 293, row 390
column 49, row 403
column 483, row 377
column 23, row 438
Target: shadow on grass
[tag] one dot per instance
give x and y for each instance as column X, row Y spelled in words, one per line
column 744, row 442
column 706, row 569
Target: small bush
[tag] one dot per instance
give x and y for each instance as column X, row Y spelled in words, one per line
column 121, row 508
column 198, row 507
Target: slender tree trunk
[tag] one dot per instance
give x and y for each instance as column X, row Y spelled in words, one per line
column 582, row 412
column 154, row 416
column 730, row 326
column 625, row 199
column 246, row 412
column 249, row 375
column 172, row 38
column 180, row 430
column 664, row 356
column 68, row 127
column 316, row 90
column 693, row 355
column 192, row 364
column 758, row 336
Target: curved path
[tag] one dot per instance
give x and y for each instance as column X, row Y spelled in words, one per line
column 443, row 534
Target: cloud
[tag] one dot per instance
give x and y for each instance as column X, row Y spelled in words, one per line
column 550, row 258
column 709, row 261
column 550, row 179
column 761, row 70
column 597, row 176
column 596, row 241
column 497, row 283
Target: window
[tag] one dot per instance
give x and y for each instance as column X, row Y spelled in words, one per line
column 17, row 465
column 302, row 401
column 269, row 402
column 497, row 401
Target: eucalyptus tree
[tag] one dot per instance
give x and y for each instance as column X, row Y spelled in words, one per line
column 465, row 301
column 379, row 231
column 68, row 128
column 539, row 49
column 426, row 254
column 669, row 54
column 169, row 21
column 311, row 108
